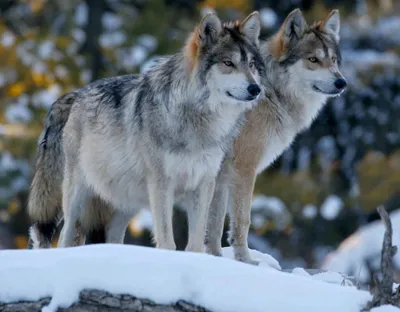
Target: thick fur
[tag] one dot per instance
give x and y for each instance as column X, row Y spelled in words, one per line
column 301, row 74
column 45, row 197
column 160, row 138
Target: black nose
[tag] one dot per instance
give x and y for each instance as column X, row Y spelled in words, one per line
column 254, row 89
column 340, row 83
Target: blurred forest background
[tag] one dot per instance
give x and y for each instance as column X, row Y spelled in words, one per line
column 322, row 189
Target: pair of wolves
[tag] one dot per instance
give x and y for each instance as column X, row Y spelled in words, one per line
column 196, row 129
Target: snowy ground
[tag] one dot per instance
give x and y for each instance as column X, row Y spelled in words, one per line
column 219, row 284
column 364, row 245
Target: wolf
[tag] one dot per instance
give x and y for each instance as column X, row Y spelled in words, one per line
column 302, row 72
column 160, row 137
column 45, row 196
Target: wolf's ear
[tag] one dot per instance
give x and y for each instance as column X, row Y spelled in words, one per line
column 331, row 25
column 209, row 29
column 293, row 27
column 251, row 27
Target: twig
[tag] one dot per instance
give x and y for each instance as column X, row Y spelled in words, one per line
column 382, row 293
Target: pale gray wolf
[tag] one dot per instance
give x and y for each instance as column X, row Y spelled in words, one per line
column 302, row 72
column 45, row 196
column 160, row 138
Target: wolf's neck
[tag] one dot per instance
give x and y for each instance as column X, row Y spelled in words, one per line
column 301, row 105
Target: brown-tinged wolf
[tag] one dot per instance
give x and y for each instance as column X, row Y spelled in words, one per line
column 302, row 72
column 160, row 137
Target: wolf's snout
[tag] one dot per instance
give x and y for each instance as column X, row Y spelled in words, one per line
column 254, row 89
column 340, row 83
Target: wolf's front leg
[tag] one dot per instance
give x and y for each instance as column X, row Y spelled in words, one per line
column 198, row 206
column 240, row 215
column 161, row 196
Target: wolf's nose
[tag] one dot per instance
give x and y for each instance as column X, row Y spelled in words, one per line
column 340, row 83
column 254, row 89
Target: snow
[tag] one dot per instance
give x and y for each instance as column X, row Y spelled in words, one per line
column 7, row 39
column 331, row 207
column 19, row 111
column 218, row 284
column 45, row 98
column 264, row 259
column 264, row 207
column 268, row 17
column 143, row 220
column 310, row 211
column 111, row 21
column 81, row 14
column 365, row 244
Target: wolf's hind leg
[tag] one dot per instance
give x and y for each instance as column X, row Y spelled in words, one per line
column 75, row 197
column 217, row 211
column 240, row 215
column 116, row 229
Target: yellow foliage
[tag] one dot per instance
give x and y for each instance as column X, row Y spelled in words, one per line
column 17, row 89
column 21, row 241
column 13, row 207
column 135, row 230
column 218, row 4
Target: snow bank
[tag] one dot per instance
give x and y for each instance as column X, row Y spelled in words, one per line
column 363, row 245
column 165, row 277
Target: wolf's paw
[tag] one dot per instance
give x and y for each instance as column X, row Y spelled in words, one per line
column 213, row 250
column 247, row 260
column 242, row 254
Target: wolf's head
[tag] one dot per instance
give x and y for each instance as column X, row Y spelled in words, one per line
column 310, row 54
column 226, row 59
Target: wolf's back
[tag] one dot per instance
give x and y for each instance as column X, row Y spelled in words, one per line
column 44, row 202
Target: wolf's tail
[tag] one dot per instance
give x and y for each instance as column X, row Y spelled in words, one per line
column 44, row 202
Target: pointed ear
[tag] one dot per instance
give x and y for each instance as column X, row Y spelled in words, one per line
column 293, row 27
column 209, row 29
column 251, row 27
column 331, row 25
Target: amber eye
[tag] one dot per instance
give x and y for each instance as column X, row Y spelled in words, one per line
column 313, row 59
column 251, row 64
column 333, row 59
column 228, row 63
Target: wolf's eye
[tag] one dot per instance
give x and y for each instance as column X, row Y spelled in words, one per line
column 251, row 64
column 228, row 63
column 312, row 59
column 333, row 59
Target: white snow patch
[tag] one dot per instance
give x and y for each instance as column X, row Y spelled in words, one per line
column 138, row 55
column 143, row 220
column 111, row 21
column 112, row 39
column 19, row 111
column 268, row 17
column 310, row 211
column 264, row 259
column 81, row 14
column 271, row 207
column 7, row 39
column 46, row 48
column 45, row 98
column 163, row 276
column 364, row 244
column 331, row 207
column 148, row 41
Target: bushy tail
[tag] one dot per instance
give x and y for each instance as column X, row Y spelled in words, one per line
column 44, row 202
